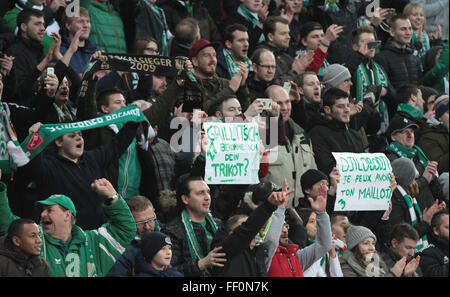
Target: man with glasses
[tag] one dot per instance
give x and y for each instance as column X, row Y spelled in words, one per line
column 264, row 67
column 145, row 217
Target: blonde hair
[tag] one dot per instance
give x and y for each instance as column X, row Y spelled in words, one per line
column 410, row 8
column 412, row 189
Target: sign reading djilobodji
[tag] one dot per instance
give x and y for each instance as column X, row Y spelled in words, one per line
column 364, row 183
column 232, row 156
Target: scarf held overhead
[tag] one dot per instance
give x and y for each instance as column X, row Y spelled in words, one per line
column 37, row 141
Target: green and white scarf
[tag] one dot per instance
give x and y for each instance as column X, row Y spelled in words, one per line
column 162, row 17
column 425, row 45
column 194, row 247
column 232, row 66
column 363, row 81
column 37, row 141
column 416, row 216
column 7, row 133
column 410, row 153
column 411, row 110
column 250, row 16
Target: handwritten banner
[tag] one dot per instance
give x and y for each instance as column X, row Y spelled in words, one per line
column 232, row 156
column 365, row 181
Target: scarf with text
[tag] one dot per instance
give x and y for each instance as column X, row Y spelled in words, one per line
column 37, row 141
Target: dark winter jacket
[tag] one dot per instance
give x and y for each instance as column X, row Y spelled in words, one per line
column 55, row 174
column 241, row 260
column 401, row 66
column 144, row 269
column 434, row 259
column 13, row 263
column 390, row 258
column 257, row 89
column 28, row 54
column 434, row 143
column 332, row 136
column 283, row 61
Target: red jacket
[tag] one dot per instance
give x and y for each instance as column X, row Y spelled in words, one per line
column 285, row 262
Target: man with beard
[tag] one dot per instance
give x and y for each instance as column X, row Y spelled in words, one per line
column 207, row 84
column 306, row 107
column 434, row 261
column 234, row 52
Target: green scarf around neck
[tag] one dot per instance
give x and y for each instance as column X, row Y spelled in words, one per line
column 411, row 110
column 194, row 247
column 410, row 153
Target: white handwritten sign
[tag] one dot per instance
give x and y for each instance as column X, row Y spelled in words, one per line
column 232, row 156
column 364, row 183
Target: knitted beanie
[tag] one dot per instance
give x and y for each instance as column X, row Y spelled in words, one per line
column 356, row 234
column 334, row 75
column 311, row 177
column 404, row 171
column 152, row 242
column 440, row 105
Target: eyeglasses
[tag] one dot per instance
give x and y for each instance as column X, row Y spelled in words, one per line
column 273, row 67
column 149, row 221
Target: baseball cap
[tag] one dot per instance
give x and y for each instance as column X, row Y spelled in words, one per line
column 59, row 199
column 199, row 45
column 398, row 124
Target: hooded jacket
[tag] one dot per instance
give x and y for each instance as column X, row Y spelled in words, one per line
column 400, row 65
column 86, row 253
column 13, row 263
column 331, row 136
column 434, row 259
